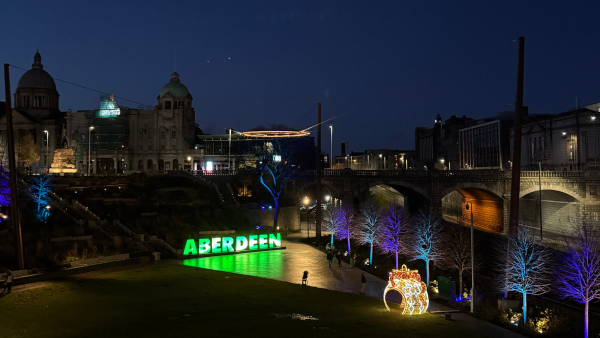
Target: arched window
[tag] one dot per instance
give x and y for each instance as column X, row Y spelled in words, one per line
column 173, row 132
column 141, row 165
column 163, row 132
column 150, row 164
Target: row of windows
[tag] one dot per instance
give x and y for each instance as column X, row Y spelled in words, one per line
column 37, row 101
column 176, row 104
column 162, row 165
column 162, row 146
column 163, row 132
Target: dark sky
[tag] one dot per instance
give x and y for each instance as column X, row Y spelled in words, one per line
column 388, row 67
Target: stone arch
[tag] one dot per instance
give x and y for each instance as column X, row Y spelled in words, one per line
column 559, row 209
column 472, row 185
column 415, row 197
column 487, row 208
column 574, row 194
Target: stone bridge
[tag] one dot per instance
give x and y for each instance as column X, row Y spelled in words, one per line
column 566, row 195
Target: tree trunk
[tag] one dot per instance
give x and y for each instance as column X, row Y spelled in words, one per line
column 460, row 284
column 524, row 308
column 427, row 269
column 371, row 255
column 276, row 217
column 331, row 241
column 396, row 259
column 586, row 320
column 348, row 242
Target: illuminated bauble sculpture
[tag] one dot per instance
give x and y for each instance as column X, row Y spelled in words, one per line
column 414, row 292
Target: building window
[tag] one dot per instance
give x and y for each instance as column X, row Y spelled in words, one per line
column 163, row 132
column 593, row 190
column 173, row 132
column 167, row 104
column 150, row 164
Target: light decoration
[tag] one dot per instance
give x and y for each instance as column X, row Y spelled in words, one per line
column 232, row 245
column 274, row 133
column 209, row 166
column 414, row 292
column 108, row 107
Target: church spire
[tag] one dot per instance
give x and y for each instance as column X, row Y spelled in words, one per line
column 37, row 61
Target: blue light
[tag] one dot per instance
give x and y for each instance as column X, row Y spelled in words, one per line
column 262, row 207
column 270, row 207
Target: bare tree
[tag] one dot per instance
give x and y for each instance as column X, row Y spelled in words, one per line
column 369, row 225
column 393, row 230
column 456, row 246
column 331, row 219
column 579, row 275
column 39, row 191
column 347, row 223
column 528, row 267
column 425, row 238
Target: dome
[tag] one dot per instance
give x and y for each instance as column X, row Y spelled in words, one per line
column 175, row 87
column 36, row 78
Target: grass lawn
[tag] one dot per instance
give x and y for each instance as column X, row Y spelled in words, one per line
column 169, row 300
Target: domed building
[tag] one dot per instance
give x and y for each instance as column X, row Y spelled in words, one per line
column 126, row 140
column 36, row 116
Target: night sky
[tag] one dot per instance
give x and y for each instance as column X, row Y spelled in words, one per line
column 388, row 67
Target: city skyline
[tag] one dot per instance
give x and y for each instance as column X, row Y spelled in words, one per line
column 399, row 65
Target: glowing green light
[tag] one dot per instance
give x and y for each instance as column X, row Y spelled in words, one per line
column 253, row 240
column 226, row 244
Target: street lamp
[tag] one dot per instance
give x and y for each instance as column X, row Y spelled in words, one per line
column 472, row 259
column 47, row 141
column 331, row 156
column 307, row 220
column 595, row 142
column 90, row 149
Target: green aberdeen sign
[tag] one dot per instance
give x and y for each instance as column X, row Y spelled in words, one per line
column 231, row 244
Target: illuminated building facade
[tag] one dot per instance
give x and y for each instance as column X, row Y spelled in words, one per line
column 437, row 147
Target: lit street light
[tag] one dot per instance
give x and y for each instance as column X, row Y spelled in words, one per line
column 472, row 259
column 307, row 220
column 595, row 142
column 331, row 152
column 90, row 149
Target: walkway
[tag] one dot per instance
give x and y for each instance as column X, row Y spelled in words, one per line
column 288, row 266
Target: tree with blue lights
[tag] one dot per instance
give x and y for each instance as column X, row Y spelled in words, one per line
column 527, row 267
column 424, row 238
column 393, row 230
column 4, row 188
column 274, row 168
column 347, row 222
column 39, row 191
column 579, row 274
column 331, row 219
column 369, row 225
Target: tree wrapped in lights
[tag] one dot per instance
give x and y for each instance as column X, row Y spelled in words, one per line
column 393, row 229
column 424, row 238
column 579, row 274
column 369, row 225
column 4, row 188
column 527, row 267
column 39, row 191
column 456, row 246
column 274, row 168
column 347, row 222
column 331, row 219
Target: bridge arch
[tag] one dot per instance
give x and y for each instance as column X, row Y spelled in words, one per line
column 559, row 188
column 487, row 208
column 559, row 210
column 415, row 197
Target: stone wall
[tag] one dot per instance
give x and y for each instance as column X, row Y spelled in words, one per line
column 288, row 216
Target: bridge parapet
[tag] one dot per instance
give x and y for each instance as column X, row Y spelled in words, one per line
column 552, row 174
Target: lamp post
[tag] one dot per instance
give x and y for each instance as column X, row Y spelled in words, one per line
column 472, row 259
column 47, row 141
column 90, row 149
column 331, row 156
column 307, row 220
column 442, row 161
column 595, row 142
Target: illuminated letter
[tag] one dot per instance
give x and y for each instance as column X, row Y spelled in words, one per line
column 274, row 240
column 253, row 242
column 227, row 244
column 203, row 245
column 241, row 243
column 190, row 247
column 216, row 245
column 262, row 241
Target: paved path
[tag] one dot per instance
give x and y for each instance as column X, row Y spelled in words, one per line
column 288, row 265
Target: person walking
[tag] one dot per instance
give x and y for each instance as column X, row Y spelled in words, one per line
column 363, row 280
column 8, row 282
column 339, row 258
column 330, row 257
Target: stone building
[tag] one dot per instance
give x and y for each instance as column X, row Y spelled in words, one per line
column 36, row 113
column 122, row 140
column 437, row 147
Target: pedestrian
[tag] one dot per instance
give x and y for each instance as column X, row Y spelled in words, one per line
column 339, row 258
column 8, row 282
column 363, row 280
column 329, row 257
